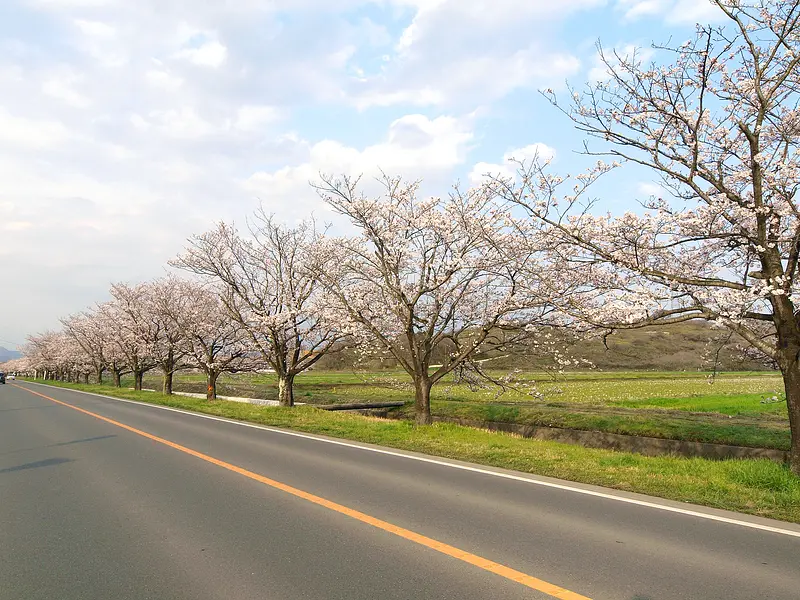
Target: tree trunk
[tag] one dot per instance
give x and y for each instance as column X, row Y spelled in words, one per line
column 86, row 378
column 791, row 383
column 117, row 377
column 98, row 373
column 211, row 378
column 168, row 382
column 168, row 369
column 137, row 380
column 788, row 332
column 286, row 390
column 422, row 401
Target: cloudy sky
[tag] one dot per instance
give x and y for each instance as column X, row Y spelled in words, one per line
column 126, row 126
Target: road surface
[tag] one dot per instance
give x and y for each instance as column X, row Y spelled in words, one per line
column 101, row 498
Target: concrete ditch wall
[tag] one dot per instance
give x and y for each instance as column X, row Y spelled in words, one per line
column 648, row 446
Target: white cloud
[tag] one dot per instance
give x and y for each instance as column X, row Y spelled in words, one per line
column 101, row 41
column 472, row 18
column 180, row 171
column 186, row 123
column 465, row 79
column 139, row 122
column 11, row 75
column 95, row 28
column 255, row 118
column 114, row 152
column 415, row 146
column 415, row 97
column 61, row 86
column 26, row 133
column 72, row 4
column 15, row 225
column 457, row 49
column 211, row 54
column 27, row 185
column 161, row 78
column 507, row 168
column 181, row 123
column 200, row 46
column 684, row 12
column 415, row 141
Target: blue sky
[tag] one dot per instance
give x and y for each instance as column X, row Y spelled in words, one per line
column 127, row 126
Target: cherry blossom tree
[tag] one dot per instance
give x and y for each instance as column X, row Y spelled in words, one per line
column 132, row 328
column 58, row 357
column 116, row 358
column 86, row 329
column 41, row 354
column 268, row 291
column 719, row 123
column 18, row 366
column 210, row 339
column 162, row 300
column 423, row 273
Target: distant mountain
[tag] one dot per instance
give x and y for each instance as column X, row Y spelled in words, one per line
column 6, row 354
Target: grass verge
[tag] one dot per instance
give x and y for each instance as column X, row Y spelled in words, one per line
column 714, row 428
column 758, row 487
column 678, row 406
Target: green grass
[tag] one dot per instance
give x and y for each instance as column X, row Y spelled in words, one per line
column 758, row 487
column 728, row 404
column 676, row 425
column 600, row 388
column 672, row 405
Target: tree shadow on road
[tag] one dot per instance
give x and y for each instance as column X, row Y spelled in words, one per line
column 28, row 407
column 91, row 439
column 48, row 462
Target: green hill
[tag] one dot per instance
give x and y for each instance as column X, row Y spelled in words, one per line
column 690, row 346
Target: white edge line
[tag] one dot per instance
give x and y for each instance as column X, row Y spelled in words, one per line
column 559, row 486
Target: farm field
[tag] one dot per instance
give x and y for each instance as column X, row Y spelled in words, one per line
column 736, row 408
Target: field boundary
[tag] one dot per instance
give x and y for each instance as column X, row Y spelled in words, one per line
column 640, row 444
column 647, row 446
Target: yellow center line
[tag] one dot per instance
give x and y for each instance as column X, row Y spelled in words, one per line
column 467, row 557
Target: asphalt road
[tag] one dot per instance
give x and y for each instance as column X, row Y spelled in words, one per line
column 90, row 509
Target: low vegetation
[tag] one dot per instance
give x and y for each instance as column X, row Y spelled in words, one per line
column 736, row 409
